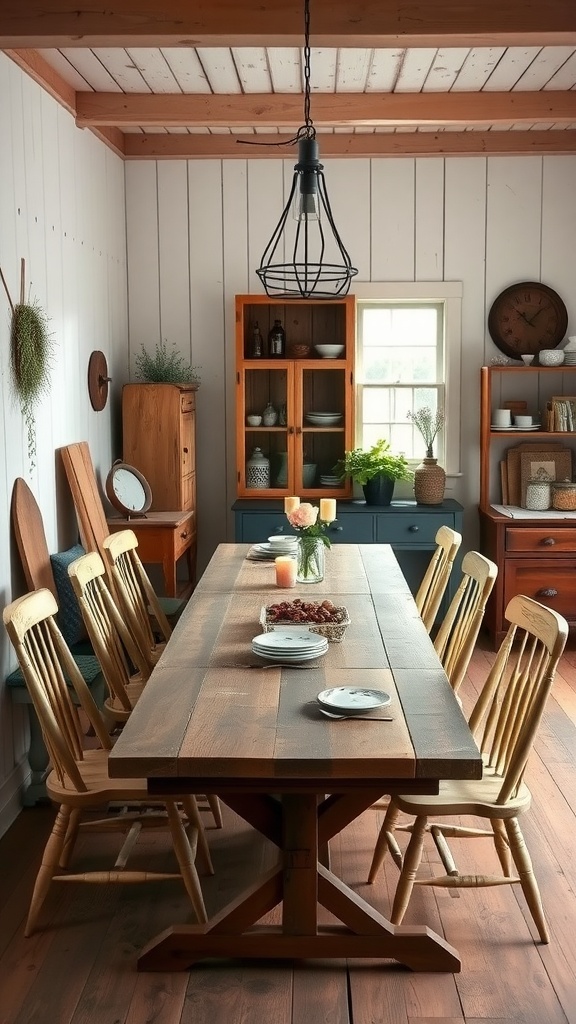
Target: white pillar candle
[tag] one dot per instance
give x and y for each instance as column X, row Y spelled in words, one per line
column 285, row 571
column 291, row 504
column 327, row 509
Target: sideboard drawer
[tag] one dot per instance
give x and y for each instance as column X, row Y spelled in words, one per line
column 407, row 528
column 543, row 539
column 552, row 581
column 351, row 529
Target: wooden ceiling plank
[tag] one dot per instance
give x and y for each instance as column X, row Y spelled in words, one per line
column 343, row 109
column 252, row 23
column 518, row 143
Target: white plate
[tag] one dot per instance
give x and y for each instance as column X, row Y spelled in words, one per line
column 353, row 698
column 535, row 426
column 296, row 652
column 286, row 659
column 280, row 639
column 275, row 549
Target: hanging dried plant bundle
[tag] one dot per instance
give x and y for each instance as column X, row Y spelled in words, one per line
column 31, row 354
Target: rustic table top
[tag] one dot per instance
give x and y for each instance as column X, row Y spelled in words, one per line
column 206, row 717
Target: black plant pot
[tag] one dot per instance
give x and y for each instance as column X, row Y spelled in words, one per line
column 379, row 490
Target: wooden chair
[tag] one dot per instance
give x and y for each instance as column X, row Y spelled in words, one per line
column 458, row 633
column 125, row 668
column 78, row 781
column 433, row 586
column 135, row 595
column 504, row 722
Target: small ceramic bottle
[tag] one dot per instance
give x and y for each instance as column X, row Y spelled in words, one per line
column 258, row 470
column 269, row 416
column 257, row 350
column 277, row 341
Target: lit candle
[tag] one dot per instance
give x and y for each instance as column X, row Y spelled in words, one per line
column 327, row 509
column 291, row 504
column 285, row 571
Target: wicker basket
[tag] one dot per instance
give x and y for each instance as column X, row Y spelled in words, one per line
column 333, row 631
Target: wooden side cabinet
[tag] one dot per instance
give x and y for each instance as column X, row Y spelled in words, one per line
column 158, row 428
column 535, row 554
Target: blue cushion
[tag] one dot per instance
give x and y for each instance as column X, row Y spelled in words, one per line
column 70, row 618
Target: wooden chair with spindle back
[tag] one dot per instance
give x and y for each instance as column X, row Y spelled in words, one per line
column 79, row 780
column 433, row 586
column 458, row 632
column 504, row 722
column 135, row 595
column 124, row 667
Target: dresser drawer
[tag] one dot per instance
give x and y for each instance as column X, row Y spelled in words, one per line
column 183, row 536
column 413, row 529
column 552, row 581
column 542, row 539
column 351, row 529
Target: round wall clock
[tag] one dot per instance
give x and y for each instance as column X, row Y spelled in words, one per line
column 129, row 492
column 526, row 318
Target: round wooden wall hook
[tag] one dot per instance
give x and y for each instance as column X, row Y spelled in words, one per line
column 98, row 380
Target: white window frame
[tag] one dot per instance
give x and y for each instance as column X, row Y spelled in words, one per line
column 449, row 295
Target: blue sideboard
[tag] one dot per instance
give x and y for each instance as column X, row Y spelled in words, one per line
column 410, row 528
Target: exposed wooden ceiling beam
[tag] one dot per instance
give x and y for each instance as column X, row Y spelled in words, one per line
column 280, row 23
column 328, row 110
column 160, row 147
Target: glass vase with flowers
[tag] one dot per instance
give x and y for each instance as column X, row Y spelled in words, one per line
column 312, row 539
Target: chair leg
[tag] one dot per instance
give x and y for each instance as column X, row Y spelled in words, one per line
column 50, row 860
column 185, row 859
column 412, row 859
column 527, row 878
column 192, row 813
column 386, row 841
column 502, row 846
column 71, row 837
column 214, row 805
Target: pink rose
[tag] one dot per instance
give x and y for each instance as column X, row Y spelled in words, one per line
column 303, row 516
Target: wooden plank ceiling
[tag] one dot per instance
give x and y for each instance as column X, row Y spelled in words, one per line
column 175, row 79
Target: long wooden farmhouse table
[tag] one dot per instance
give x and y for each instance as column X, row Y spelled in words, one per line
column 209, row 723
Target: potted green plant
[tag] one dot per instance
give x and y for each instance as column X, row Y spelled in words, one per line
column 165, row 367
column 377, row 469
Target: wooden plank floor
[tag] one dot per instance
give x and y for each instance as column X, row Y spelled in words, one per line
column 81, row 967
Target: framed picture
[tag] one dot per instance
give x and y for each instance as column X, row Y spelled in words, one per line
column 563, row 409
column 555, row 464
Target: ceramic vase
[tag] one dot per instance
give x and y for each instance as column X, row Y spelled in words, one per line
column 310, row 560
column 429, row 482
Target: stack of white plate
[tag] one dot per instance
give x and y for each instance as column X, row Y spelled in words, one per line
column 351, row 700
column 289, row 646
column 323, row 419
column 283, row 544
column 328, row 480
column 569, row 358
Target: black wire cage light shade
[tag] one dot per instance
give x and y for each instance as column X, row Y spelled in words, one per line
column 305, row 256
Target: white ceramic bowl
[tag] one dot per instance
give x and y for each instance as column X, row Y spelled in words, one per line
column 283, row 541
column 253, row 421
column 329, row 351
column 551, row 357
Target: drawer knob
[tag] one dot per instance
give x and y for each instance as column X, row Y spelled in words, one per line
column 547, row 592
column 184, row 534
column 337, row 529
column 413, row 528
column 548, row 542
column 185, row 450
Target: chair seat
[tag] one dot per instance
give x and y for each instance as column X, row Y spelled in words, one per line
column 467, row 796
column 94, row 771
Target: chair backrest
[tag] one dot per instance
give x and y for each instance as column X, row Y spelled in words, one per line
column 511, row 703
column 135, row 594
column 46, row 664
column 83, row 484
column 459, row 630
column 31, row 539
column 113, row 643
column 433, row 586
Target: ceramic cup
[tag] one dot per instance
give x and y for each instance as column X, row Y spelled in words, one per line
column 502, row 418
column 522, row 421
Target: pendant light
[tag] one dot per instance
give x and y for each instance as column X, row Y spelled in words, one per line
column 318, row 264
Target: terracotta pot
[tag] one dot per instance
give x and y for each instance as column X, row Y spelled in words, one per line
column 429, row 482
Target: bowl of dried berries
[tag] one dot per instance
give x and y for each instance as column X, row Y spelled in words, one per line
column 321, row 617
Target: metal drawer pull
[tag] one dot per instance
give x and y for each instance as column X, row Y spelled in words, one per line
column 337, row 529
column 183, row 535
column 548, row 542
column 547, row 592
column 413, row 529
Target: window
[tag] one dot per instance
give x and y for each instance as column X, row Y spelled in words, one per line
column 408, row 356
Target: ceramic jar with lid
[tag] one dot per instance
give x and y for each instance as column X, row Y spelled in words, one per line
column 564, row 495
column 258, row 470
column 538, row 495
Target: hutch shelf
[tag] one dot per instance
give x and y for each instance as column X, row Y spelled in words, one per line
column 535, row 554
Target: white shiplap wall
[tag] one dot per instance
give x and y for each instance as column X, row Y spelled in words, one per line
column 62, row 208
column 196, row 232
